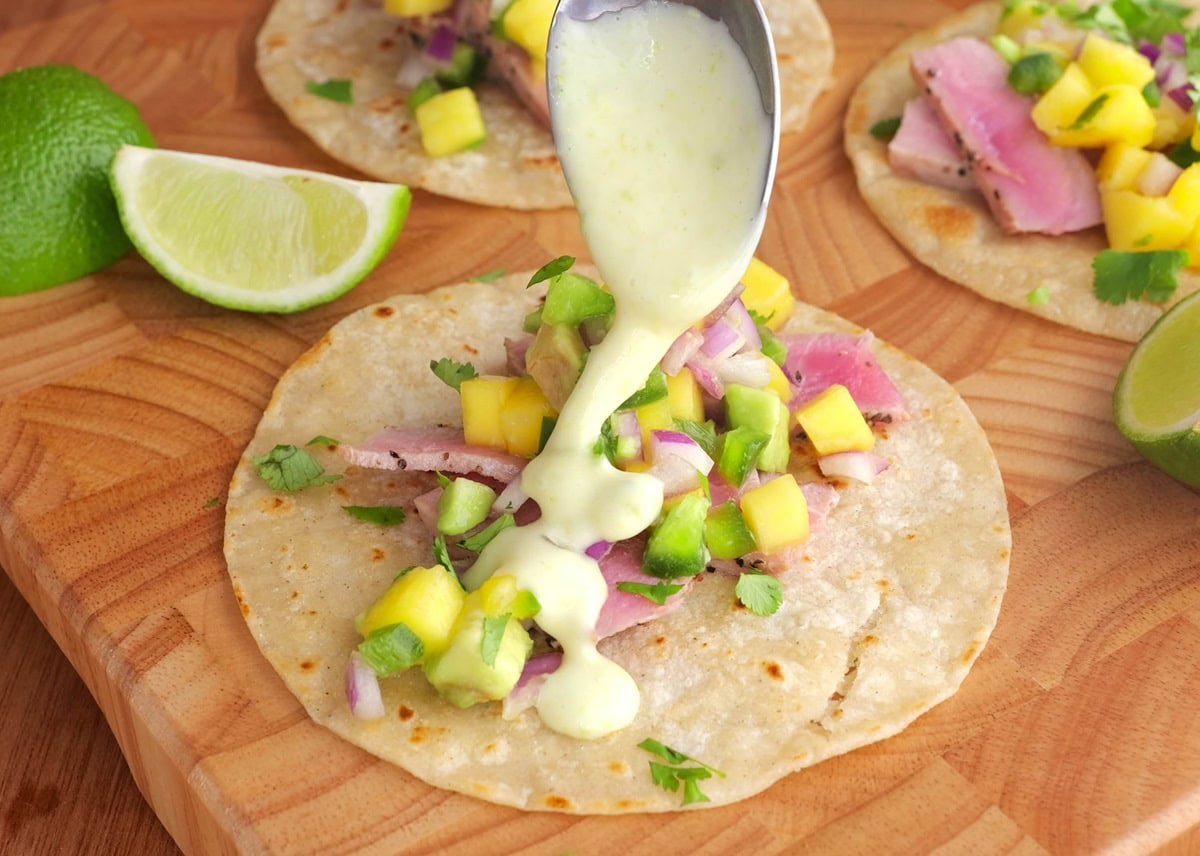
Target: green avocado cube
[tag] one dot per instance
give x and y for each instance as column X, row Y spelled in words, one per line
column 676, row 545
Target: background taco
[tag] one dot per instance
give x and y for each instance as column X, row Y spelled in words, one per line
column 895, row 600
column 304, row 42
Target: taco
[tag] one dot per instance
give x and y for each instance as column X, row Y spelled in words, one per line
column 884, row 608
column 304, row 44
column 1031, row 238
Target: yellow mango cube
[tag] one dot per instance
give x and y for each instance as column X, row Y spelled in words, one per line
column 413, row 8
column 1185, row 193
column 1135, row 222
column 1120, row 166
column 450, row 122
column 1172, row 124
column 834, row 423
column 1118, row 114
column 776, row 514
column 1062, row 103
column 482, row 401
column 683, row 393
column 779, row 383
column 1192, row 245
column 1106, row 63
column 655, row 416
column 521, row 417
column 527, row 22
column 767, row 293
column 426, row 600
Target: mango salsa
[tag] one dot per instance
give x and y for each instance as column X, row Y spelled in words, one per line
column 521, row 417
column 655, row 416
column 683, row 393
column 426, row 600
column 776, row 514
column 834, row 423
column 527, row 22
column 1134, row 222
column 413, row 8
column 1106, row 63
column 767, row 293
column 482, row 399
column 450, row 122
column 1121, row 165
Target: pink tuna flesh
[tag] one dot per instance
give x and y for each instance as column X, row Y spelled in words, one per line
column 817, row 362
column 923, row 149
column 1030, row 185
column 430, row 449
column 622, row 610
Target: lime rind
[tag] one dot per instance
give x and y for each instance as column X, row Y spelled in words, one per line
column 386, row 205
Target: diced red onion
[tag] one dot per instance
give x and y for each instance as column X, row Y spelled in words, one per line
column 511, row 498
column 1182, row 96
column 598, row 550
column 724, row 305
column 682, row 350
column 739, row 317
column 722, row 340
column 677, row 461
column 705, row 374
column 1174, row 42
column 413, row 70
column 440, row 47
column 525, row 694
column 1170, row 72
column 1150, row 51
column 860, row 466
column 362, row 689
column 749, row 369
column 627, row 427
column 1158, row 176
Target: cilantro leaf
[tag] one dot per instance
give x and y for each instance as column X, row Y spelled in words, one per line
column 443, row 480
column 654, row 389
column 1100, row 17
column 392, row 649
column 380, row 515
column 691, row 776
column 322, row 440
column 452, row 373
column 658, row 593
column 1121, row 276
column 289, row 469
column 759, row 593
column 885, row 129
column 493, row 636
column 490, row 276
column 441, row 554
column 483, row 537
column 1089, row 113
column 669, row 777
column 548, row 423
column 1151, row 19
column 335, row 90
column 704, row 433
column 1183, row 155
column 552, row 268
column 664, row 776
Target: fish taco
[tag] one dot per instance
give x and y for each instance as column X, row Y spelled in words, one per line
column 1041, row 154
column 812, row 585
column 353, row 77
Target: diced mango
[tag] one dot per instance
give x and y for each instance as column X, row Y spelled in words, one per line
column 426, row 600
column 1185, row 193
column 1192, row 245
column 521, row 417
column 683, row 393
column 1120, row 166
column 482, row 400
column 776, row 514
column 1106, row 63
column 450, row 122
column 655, row 416
column 1118, row 114
column 834, row 423
column 1172, row 124
column 767, row 293
column 1021, row 16
column 779, row 383
column 413, row 8
column 1135, row 222
column 1062, row 103
column 527, row 22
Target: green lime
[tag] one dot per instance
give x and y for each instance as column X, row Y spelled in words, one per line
column 59, row 129
column 252, row 236
column 1157, row 400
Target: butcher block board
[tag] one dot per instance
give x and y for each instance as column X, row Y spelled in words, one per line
column 124, row 405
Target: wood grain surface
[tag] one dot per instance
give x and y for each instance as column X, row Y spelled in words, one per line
column 124, row 405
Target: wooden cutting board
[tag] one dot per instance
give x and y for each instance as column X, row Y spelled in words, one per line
column 124, row 405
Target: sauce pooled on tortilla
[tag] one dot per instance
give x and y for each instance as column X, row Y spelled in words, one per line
column 665, row 144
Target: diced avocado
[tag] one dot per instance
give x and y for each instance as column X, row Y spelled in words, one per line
column 572, row 299
column 676, row 546
column 533, row 321
column 654, row 390
column 554, row 361
column 740, row 449
column 425, row 600
column 726, row 534
column 450, row 122
column 464, row 504
column 761, row 410
column 466, row 67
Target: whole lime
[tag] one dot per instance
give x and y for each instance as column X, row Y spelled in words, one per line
column 59, row 130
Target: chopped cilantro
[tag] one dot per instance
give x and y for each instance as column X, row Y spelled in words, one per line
column 548, row 423
column 1034, row 74
column 322, row 440
column 335, row 90
column 704, row 433
column 213, row 503
column 441, row 554
column 885, row 129
column 1100, row 17
column 1123, row 276
column 759, row 593
column 664, row 751
column 1089, row 113
column 290, row 469
column 443, row 480
column 452, row 373
column 654, row 389
column 1040, row 296
column 392, row 649
column 484, row 536
column 1183, row 155
column 658, row 593
column 490, row 276
column 380, row 515
column 422, row 92
column 1151, row 19
column 669, row 777
column 552, row 268
column 493, row 636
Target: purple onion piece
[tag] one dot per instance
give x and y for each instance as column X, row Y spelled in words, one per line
column 440, row 47
column 1175, row 43
column 682, row 350
column 722, row 340
column 723, row 306
column 1182, row 96
column 739, row 317
column 362, row 689
column 598, row 550
column 1150, row 51
column 703, row 371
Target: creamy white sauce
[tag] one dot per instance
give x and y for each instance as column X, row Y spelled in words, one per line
column 665, row 144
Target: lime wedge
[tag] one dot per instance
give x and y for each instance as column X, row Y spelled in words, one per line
column 251, row 236
column 1157, row 400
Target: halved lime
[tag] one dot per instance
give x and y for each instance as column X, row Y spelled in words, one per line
column 252, row 236
column 1157, row 400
